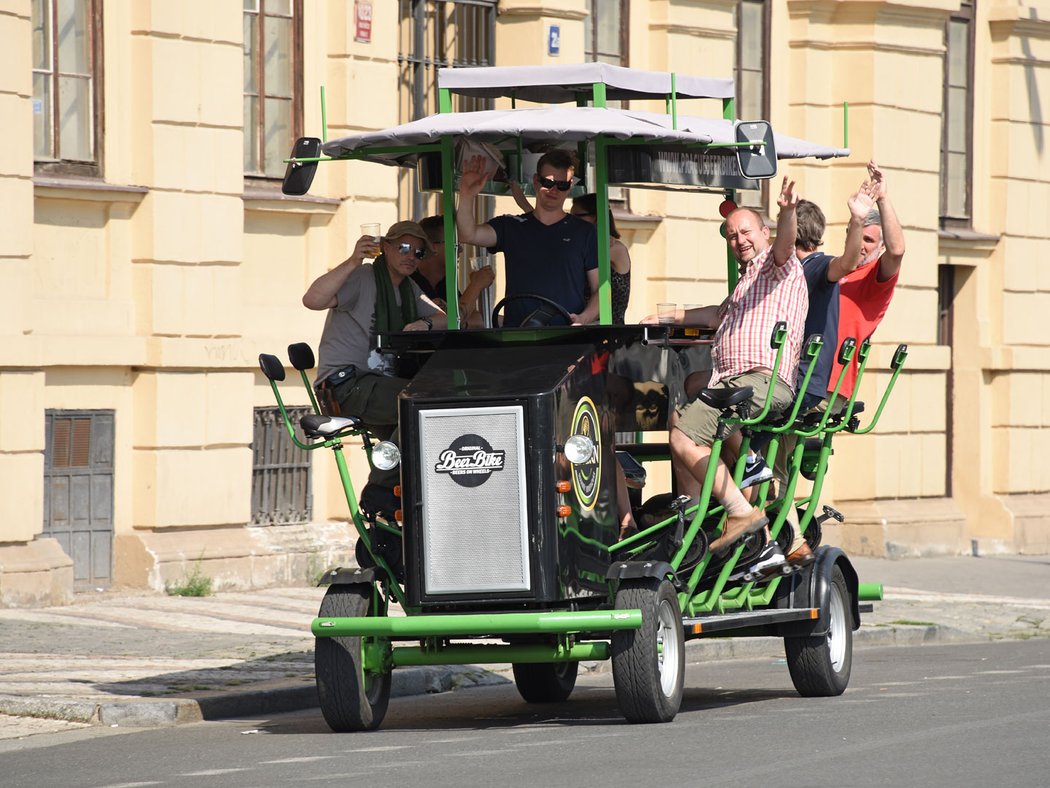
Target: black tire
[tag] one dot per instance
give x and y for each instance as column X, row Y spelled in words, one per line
column 545, row 682
column 820, row 665
column 649, row 663
column 350, row 698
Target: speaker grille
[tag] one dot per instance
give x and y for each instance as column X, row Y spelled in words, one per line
column 475, row 522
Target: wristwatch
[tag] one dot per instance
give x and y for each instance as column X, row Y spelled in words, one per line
column 429, row 322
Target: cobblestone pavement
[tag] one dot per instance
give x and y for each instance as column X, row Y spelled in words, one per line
column 136, row 659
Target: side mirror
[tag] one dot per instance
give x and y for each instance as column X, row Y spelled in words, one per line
column 300, row 174
column 758, row 160
column 301, row 356
column 271, row 367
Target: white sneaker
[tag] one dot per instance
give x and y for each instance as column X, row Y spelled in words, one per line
column 769, row 560
column 755, row 471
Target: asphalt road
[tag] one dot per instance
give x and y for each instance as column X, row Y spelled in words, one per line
column 959, row 715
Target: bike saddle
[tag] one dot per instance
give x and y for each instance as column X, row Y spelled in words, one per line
column 315, row 426
column 726, row 398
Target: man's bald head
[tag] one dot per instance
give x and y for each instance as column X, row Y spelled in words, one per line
column 746, row 234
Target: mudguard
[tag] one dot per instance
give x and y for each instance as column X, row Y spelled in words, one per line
column 632, row 570
column 346, row 575
column 810, row 588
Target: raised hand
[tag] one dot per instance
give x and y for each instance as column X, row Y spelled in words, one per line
column 474, row 175
column 788, row 198
column 863, row 200
column 878, row 179
column 366, row 246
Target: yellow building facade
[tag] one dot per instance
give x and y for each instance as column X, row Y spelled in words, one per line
column 148, row 255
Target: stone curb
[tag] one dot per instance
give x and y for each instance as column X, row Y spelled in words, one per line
column 286, row 696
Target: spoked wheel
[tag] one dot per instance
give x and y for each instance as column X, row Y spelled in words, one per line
column 545, row 682
column 352, row 696
column 649, row 663
column 820, row 665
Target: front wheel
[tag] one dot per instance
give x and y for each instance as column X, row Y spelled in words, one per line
column 649, row 663
column 545, row 682
column 820, row 665
column 352, row 694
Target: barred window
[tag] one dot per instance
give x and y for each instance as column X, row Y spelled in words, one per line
column 67, row 67
column 281, row 480
column 273, row 90
column 957, row 118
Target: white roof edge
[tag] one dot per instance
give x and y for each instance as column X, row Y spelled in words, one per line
column 561, row 82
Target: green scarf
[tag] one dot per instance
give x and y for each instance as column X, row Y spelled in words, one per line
column 389, row 317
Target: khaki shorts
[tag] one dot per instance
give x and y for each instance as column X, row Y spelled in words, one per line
column 699, row 420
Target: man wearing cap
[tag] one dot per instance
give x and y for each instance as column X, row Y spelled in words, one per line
column 364, row 300
column 547, row 251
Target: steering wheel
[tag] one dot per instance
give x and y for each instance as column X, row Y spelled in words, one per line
column 538, row 317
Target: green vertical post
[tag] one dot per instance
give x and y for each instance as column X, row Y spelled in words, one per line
column 324, row 118
column 448, row 211
column 601, row 189
column 845, row 124
column 444, row 100
column 598, row 91
column 674, row 101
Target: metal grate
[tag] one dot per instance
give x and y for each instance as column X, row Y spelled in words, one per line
column 475, row 535
column 281, row 491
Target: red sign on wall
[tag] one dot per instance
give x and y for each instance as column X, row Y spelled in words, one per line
column 363, row 21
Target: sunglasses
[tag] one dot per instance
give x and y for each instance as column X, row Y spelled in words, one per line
column 562, row 186
column 407, row 248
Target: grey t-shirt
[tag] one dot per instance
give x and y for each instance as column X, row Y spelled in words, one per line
column 349, row 335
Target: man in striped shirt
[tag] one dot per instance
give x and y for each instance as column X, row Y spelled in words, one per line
column 771, row 288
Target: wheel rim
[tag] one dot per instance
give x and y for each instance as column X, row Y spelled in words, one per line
column 667, row 649
column 837, row 629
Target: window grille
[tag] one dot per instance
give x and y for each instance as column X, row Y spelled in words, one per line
column 281, row 478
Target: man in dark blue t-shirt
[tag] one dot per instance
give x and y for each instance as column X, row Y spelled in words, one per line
column 547, row 252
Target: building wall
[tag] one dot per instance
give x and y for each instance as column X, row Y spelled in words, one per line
column 152, row 292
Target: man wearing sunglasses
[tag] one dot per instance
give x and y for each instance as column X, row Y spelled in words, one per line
column 364, row 300
column 547, row 251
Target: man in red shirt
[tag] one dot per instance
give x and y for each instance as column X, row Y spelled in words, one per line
column 865, row 293
column 771, row 288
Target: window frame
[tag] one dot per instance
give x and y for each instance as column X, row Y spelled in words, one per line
column 967, row 13
column 760, row 200
column 260, row 178
column 96, row 68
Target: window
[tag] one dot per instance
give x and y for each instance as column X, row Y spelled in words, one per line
column 67, row 68
column 280, row 470
column 605, row 32
column 273, row 90
column 437, row 34
column 752, row 63
column 957, row 118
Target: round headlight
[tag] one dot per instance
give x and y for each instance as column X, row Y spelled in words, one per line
column 579, row 448
column 385, row 455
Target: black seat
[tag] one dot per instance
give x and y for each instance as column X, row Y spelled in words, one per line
column 316, row 426
column 723, row 399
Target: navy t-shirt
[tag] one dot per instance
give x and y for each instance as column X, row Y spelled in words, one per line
column 822, row 318
column 548, row 260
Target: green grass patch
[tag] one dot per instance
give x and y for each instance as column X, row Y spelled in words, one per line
column 192, row 583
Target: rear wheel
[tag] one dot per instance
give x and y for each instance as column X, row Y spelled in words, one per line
column 545, row 682
column 352, row 698
column 820, row 665
column 649, row 663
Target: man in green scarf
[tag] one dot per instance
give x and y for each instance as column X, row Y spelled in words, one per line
column 364, row 300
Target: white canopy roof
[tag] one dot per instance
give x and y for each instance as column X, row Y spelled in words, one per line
column 559, row 84
column 557, row 124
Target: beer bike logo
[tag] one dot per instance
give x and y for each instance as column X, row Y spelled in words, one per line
column 587, row 475
column 470, row 461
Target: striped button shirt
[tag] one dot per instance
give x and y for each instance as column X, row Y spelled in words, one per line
column 765, row 294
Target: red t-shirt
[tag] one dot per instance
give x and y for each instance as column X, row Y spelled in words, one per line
column 863, row 301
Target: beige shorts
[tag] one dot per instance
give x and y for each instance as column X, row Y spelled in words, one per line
column 699, row 420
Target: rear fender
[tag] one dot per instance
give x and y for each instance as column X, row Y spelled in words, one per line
column 345, row 575
column 811, row 588
column 633, row 570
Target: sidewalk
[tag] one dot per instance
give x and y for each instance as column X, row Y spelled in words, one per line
column 132, row 659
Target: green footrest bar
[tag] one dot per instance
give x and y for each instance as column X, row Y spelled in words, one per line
column 559, row 623
column 869, row 592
